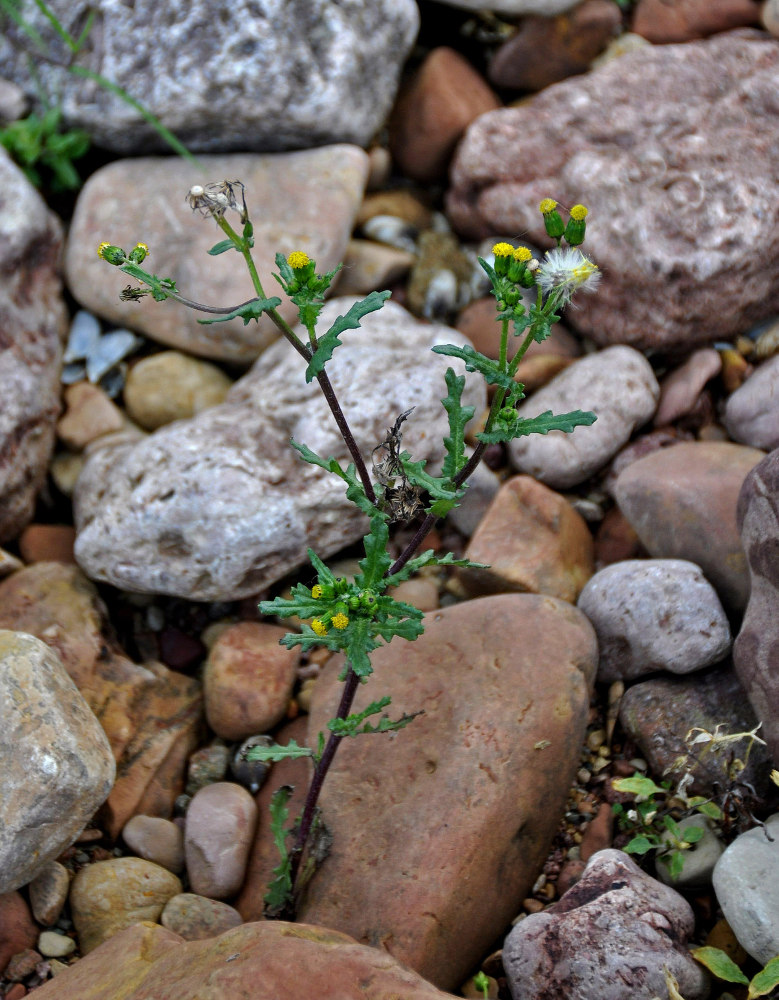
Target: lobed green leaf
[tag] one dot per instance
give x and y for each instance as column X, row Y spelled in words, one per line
column 248, row 311
column 351, row 321
column 476, row 362
column 542, row 424
column 459, row 416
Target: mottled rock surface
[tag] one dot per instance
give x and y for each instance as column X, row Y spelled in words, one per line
column 683, row 20
column 286, row 74
column 196, row 917
column 32, row 324
column 218, row 836
column 151, row 715
column 617, row 385
column 297, row 201
column 682, row 503
column 756, row 650
column 673, row 223
column 221, row 506
column 453, row 815
column 610, row 936
column 654, row 614
column 291, row 961
column 57, row 763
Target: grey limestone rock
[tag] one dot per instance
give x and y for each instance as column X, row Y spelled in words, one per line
column 267, row 75
column 752, row 411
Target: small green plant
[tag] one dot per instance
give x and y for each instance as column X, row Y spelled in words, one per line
column 357, row 616
column 482, row 982
column 723, row 967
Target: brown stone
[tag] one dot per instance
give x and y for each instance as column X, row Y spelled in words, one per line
column 90, row 413
column 682, row 503
column 400, row 203
column 680, row 388
column 428, row 822
column 615, row 539
column 432, row 112
column 268, row 959
column 17, row 930
column 532, row 540
column 151, row 715
column 47, row 543
column 547, row 49
column 684, row 20
column 196, row 917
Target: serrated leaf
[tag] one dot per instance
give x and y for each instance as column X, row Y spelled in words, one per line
column 639, row 845
column 280, row 888
column 766, row 980
column 719, row 963
column 248, row 311
column 361, row 644
column 459, row 416
column 476, row 362
column 429, row 558
column 542, row 424
column 350, row 321
column 276, row 752
column 637, row 785
column 377, row 560
column 354, row 488
column 221, row 247
column 439, row 487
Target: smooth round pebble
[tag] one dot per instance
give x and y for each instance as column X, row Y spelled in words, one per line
column 752, row 412
column 219, row 832
column 194, row 917
column 54, row 945
column 48, row 892
column 654, row 614
column 156, row 839
column 748, row 890
column 172, row 386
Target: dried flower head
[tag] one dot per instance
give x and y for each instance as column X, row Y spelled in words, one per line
column 565, row 270
column 214, row 199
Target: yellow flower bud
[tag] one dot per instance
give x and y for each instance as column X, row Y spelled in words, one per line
column 112, row 254
column 316, row 591
column 319, row 627
column 298, row 260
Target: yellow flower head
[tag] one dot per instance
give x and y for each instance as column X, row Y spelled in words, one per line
column 297, row 260
column 547, row 205
column 578, row 213
column 503, row 250
column 340, row 621
column 522, row 254
column 319, row 627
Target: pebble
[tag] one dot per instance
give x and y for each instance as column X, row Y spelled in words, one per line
column 54, row 945
column 156, row 839
column 206, row 766
column 195, row 917
column 752, row 412
column 654, row 614
column 17, row 929
column 219, row 831
column 681, row 387
column 748, row 891
column 89, row 415
column 420, row 591
column 769, row 17
column 22, row 965
column 248, row 680
column 370, row 266
column 172, row 386
column 48, row 892
column 108, row 896
column 47, row 543
column 616, row 384
column 398, row 202
column 685, row 20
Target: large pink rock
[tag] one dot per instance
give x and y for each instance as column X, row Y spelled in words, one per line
column 265, row 961
column 440, row 830
column 673, row 221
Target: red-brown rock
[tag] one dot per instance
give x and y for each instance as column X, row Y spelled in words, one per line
column 17, row 929
column 683, row 20
column 47, row 543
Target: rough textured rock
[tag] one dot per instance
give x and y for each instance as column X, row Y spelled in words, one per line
column 171, row 386
column 532, row 540
column 748, row 892
column 673, row 223
column 657, row 714
column 618, row 385
column 433, row 110
column 516, row 8
column 151, row 715
column 297, row 201
column 610, row 936
column 57, row 763
column 469, row 793
column 684, row 20
column 654, row 614
column 264, row 960
column 545, row 50
column 221, row 821
column 221, row 506
column 752, row 412
column 248, row 679
column 756, row 650
column 32, row 324
column 108, row 896
column 682, row 503
column 284, row 74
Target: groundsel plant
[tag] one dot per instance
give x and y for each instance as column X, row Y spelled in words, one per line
column 357, row 616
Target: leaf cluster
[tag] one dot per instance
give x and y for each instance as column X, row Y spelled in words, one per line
column 45, row 151
column 723, row 967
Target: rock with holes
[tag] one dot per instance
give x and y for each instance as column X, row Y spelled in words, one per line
column 220, row 506
column 281, row 74
column 673, row 223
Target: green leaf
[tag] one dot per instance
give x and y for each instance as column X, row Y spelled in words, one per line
column 476, row 362
column 692, row 834
column 361, row 644
column 429, row 558
column 220, row 247
column 542, row 424
column 280, row 888
column 637, row 785
column 276, row 752
column 639, row 845
column 354, row 492
column 710, row 809
column 766, row 980
column 718, row 962
column 441, row 489
column 248, row 311
column 377, row 560
column 351, row 321
column 459, row 416
column 672, row 826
